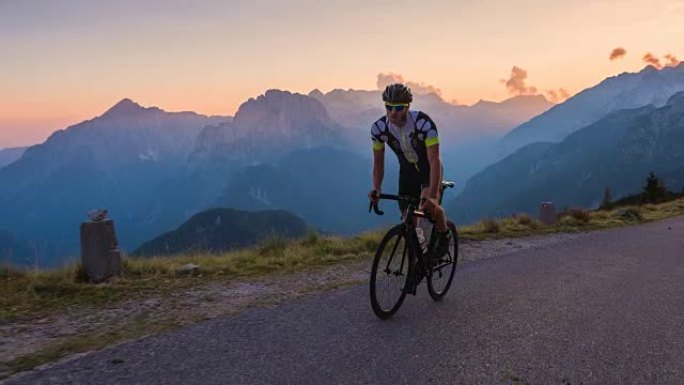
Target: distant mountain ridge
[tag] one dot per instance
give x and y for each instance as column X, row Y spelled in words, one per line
column 10, row 155
column 326, row 186
column 616, row 152
column 119, row 160
column 650, row 86
column 223, row 229
column 266, row 128
column 359, row 109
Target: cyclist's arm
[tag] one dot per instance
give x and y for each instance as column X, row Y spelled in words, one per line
column 378, row 140
column 428, row 127
column 378, row 168
column 435, row 170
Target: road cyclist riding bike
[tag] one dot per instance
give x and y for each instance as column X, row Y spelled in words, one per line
column 412, row 136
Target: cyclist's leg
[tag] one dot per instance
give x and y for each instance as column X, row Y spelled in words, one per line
column 438, row 215
column 432, row 206
column 409, row 185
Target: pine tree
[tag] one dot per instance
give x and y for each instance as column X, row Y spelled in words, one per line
column 654, row 191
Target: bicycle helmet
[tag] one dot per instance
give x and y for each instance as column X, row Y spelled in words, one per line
column 397, row 93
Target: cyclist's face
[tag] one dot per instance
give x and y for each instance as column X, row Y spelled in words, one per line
column 397, row 117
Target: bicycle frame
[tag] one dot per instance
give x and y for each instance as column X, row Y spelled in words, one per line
column 411, row 213
column 411, row 269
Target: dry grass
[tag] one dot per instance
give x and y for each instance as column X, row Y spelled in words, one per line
column 34, row 292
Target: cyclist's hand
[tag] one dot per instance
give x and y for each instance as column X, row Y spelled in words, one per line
column 374, row 196
column 427, row 204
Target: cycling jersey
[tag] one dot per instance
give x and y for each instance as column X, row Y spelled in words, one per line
column 409, row 142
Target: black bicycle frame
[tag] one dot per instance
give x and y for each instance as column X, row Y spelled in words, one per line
column 411, row 213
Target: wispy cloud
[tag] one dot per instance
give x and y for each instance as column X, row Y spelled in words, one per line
column 557, row 96
column 516, row 82
column 420, row 88
column 617, row 53
column 517, row 85
column 671, row 60
column 651, row 59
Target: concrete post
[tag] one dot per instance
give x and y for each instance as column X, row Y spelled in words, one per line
column 100, row 256
column 547, row 213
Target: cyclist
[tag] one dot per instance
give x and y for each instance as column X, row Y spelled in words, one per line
column 412, row 135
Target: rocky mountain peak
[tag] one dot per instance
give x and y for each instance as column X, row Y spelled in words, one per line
column 125, row 108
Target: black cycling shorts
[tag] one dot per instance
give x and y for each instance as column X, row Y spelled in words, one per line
column 411, row 183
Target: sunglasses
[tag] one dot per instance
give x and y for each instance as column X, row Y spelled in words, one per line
column 395, row 107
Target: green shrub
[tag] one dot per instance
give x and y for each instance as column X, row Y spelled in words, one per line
column 569, row 221
column 272, row 246
column 312, row 238
column 490, row 225
column 526, row 220
column 577, row 214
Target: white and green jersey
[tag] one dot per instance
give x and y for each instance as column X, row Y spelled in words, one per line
column 409, row 142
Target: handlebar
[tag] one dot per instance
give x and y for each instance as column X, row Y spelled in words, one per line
column 409, row 200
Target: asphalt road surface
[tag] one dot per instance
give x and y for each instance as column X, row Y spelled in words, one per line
column 603, row 308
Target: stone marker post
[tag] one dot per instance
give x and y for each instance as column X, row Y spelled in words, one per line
column 547, row 213
column 100, row 256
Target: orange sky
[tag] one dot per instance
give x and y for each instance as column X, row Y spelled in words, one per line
column 67, row 61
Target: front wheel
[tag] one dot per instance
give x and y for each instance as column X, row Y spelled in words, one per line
column 389, row 272
column 443, row 268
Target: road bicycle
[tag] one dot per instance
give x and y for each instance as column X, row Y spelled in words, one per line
column 402, row 261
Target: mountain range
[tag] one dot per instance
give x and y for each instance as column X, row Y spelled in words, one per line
column 649, row 86
column 119, row 160
column 617, row 152
column 307, row 154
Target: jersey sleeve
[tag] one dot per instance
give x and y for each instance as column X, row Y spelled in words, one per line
column 428, row 128
column 377, row 135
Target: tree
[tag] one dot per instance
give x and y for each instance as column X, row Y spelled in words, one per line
column 654, row 191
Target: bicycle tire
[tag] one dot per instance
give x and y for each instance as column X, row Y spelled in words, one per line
column 446, row 264
column 396, row 233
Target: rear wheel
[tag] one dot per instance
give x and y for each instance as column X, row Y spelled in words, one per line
column 389, row 272
column 443, row 268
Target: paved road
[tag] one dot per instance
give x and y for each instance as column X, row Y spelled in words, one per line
column 603, row 308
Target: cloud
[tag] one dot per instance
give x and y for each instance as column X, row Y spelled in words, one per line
column 618, row 53
column 672, row 60
column 557, row 96
column 516, row 83
column 650, row 59
column 386, row 79
column 419, row 88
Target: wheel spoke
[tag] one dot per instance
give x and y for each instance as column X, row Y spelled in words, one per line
column 388, row 275
column 443, row 269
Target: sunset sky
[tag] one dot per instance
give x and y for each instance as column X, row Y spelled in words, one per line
column 66, row 61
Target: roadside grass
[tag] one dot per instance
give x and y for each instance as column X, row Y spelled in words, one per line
column 571, row 221
column 31, row 294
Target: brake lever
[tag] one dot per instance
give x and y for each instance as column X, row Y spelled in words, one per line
column 374, row 206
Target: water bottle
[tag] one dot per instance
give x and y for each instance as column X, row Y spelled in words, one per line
column 421, row 238
column 420, row 232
